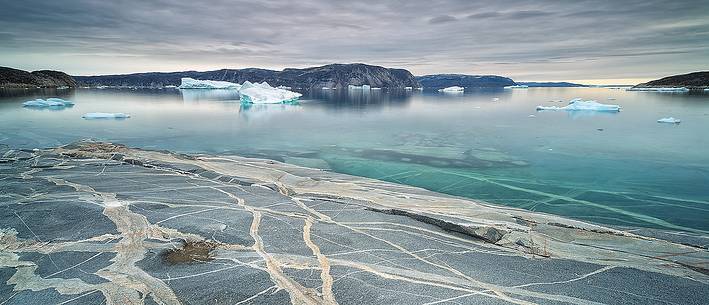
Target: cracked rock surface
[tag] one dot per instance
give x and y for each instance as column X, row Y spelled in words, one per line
column 100, row 223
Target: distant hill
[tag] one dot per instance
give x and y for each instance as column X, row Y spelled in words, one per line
column 14, row 78
column 696, row 80
column 551, row 84
column 438, row 81
column 331, row 76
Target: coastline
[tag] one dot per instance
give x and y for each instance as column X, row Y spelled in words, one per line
column 177, row 199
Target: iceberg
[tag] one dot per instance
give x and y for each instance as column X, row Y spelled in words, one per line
column 578, row 104
column 660, row 89
column 669, row 120
column 105, row 115
column 495, row 99
column 263, row 93
column 516, row 87
column 50, row 102
column 408, row 88
column 191, row 83
column 452, row 89
column 362, row 87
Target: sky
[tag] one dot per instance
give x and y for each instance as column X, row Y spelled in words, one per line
column 594, row 42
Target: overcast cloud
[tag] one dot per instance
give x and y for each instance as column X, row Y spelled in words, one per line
column 526, row 40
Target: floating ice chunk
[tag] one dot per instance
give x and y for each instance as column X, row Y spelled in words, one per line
column 326, row 88
column 366, row 87
column 516, row 87
column 376, row 88
column 452, row 89
column 191, row 83
column 660, row 89
column 105, row 115
column 578, row 104
column 50, row 102
column 611, row 98
column 263, row 93
column 669, row 120
column 408, row 88
column 495, row 99
column 531, row 116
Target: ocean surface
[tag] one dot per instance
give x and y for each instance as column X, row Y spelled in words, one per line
column 622, row 169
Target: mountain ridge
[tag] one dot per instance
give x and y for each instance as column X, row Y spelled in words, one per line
column 16, row 78
column 330, row 76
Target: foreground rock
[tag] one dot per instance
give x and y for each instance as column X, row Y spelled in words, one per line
column 99, row 223
column 336, row 76
column 14, row 78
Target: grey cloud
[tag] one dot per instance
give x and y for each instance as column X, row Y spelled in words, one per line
column 546, row 39
column 442, row 19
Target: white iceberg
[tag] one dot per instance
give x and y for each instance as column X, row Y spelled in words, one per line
column 516, row 87
column 452, row 89
column 263, row 93
column 191, row 83
column 326, row 88
column 669, row 120
column 408, row 88
column 105, row 115
column 376, row 88
column 578, row 104
column 362, row 87
column 660, row 89
column 50, row 102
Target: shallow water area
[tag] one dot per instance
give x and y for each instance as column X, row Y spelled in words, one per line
column 622, row 169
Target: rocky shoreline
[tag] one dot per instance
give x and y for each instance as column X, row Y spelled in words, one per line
column 99, row 222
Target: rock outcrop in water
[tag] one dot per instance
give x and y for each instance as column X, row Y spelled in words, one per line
column 14, row 78
column 331, row 76
column 696, row 80
column 438, row 81
column 98, row 223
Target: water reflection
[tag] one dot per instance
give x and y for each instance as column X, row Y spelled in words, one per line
column 197, row 95
column 359, row 99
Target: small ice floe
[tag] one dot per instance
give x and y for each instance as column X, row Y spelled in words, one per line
column 191, row 83
column 105, row 115
column 516, row 87
column 376, row 88
column 578, row 104
column 50, row 102
column 531, row 116
column 669, row 120
column 327, row 88
column 170, row 87
column 452, row 89
column 263, row 93
column 408, row 88
column 659, row 89
column 611, row 98
column 495, row 99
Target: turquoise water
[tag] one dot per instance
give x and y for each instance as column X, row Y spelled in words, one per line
column 621, row 169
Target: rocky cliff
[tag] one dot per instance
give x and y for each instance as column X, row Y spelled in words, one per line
column 331, row 76
column 691, row 80
column 14, row 78
column 437, row 81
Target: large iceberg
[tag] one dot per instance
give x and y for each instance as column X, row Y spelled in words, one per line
column 659, row 89
column 50, row 102
column 105, row 115
column 669, row 120
column 578, row 104
column 452, row 89
column 191, row 83
column 263, row 93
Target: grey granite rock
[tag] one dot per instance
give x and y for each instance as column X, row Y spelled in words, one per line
column 107, row 224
